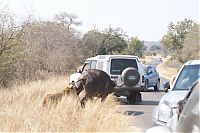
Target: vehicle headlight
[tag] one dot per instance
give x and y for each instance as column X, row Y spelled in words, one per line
column 165, row 112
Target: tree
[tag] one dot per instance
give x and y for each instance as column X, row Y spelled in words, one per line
column 110, row 41
column 37, row 49
column 191, row 45
column 10, row 39
column 175, row 36
column 90, row 42
column 49, row 49
column 155, row 48
column 67, row 20
column 135, row 47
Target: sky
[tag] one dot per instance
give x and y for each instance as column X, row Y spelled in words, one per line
column 146, row 19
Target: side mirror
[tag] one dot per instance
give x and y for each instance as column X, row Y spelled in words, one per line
column 166, row 86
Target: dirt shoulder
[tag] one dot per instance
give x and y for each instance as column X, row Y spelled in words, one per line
column 166, row 71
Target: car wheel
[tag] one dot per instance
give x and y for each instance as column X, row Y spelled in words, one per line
column 157, row 85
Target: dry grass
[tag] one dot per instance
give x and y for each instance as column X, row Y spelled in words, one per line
column 21, row 110
column 166, row 71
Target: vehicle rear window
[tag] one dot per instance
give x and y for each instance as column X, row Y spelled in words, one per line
column 118, row 65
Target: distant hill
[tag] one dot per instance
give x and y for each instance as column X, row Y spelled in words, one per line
column 149, row 44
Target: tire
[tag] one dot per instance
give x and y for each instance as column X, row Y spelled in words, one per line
column 131, row 99
column 130, row 77
column 156, row 88
column 135, row 97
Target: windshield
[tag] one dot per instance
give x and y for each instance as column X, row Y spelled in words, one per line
column 187, row 77
column 118, row 65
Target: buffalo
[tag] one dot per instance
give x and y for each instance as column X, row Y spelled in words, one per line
column 95, row 83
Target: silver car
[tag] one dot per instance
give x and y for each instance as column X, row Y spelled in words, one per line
column 187, row 118
column 188, row 74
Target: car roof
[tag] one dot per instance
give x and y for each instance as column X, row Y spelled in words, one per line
column 108, row 57
column 193, row 62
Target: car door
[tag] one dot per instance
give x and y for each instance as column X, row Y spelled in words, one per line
column 150, row 75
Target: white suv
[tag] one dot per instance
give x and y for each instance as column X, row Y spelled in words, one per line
column 114, row 65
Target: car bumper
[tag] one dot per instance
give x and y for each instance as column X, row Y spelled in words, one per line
column 125, row 91
column 126, row 88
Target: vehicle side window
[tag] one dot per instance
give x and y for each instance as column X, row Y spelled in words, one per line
column 86, row 66
column 93, row 64
column 149, row 70
column 100, row 65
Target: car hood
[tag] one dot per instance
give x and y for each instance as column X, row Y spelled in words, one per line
column 173, row 97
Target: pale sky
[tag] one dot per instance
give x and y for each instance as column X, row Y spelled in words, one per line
column 146, row 19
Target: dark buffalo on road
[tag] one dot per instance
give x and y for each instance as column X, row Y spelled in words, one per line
column 96, row 83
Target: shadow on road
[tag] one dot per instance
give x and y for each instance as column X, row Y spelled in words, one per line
column 133, row 113
column 147, row 102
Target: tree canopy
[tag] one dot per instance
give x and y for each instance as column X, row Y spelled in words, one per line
column 135, row 47
column 191, row 45
column 110, row 41
column 175, row 36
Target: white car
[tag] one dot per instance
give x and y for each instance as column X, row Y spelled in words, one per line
column 114, row 65
column 188, row 74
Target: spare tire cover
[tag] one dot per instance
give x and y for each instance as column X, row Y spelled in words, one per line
column 130, row 77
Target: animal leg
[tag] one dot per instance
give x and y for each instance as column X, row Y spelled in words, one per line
column 103, row 97
column 83, row 100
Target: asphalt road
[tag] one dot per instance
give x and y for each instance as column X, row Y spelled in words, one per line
column 141, row 113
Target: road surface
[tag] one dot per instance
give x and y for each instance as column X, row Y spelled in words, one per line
column 141, row 113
